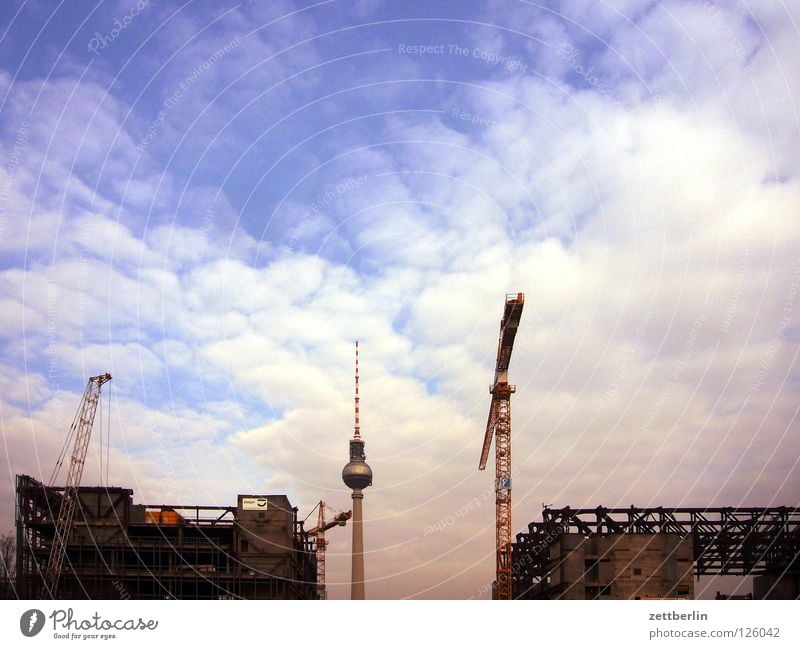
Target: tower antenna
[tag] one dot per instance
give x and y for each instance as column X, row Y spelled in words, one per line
column 357, row 429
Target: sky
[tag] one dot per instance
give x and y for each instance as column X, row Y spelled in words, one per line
column 214, row 200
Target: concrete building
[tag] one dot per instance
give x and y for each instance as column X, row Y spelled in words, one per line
column 655, row 552
column 621, row 566
column 255, row 550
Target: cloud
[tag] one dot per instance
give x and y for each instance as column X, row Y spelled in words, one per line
column 651, row 226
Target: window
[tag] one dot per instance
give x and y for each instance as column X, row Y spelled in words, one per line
column 637, row 571
column 590, row 570
column 244, row 545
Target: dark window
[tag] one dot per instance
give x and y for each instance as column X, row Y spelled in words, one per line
column 637, row 571
column 244, row 545
column 590, row 570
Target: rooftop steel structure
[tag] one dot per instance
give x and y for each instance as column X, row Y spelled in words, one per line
column 726, row 540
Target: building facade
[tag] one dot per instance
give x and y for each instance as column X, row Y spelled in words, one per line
column 117, row 550
column 653, row 552
column 620, row 566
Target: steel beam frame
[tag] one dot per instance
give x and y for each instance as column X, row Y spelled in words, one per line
column 726, row 540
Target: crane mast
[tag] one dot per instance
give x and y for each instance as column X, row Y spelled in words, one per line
column 322, row 543
column 82, row 431
column 498, row 426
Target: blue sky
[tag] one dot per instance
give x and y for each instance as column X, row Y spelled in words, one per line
column 213, row 200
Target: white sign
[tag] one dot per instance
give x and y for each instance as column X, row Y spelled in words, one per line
column 254, row 503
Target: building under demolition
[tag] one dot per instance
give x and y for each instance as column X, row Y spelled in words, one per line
column 621, row 566
column 654, row 553
column 115, row 549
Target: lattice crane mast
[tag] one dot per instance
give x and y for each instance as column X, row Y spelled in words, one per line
column 499, row 426
column 319, row 532
column 81, row 431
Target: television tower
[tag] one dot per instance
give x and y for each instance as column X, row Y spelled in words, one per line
column 357, row 476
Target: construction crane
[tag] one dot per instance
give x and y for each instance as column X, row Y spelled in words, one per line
column 499, row 426
column 81, row 430
column 319, row 532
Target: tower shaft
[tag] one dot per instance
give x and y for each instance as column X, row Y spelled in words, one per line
column 357, row 578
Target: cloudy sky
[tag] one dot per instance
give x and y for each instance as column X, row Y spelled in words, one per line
column 214, row 200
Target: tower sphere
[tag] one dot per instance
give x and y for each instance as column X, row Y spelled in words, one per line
column 357, row 474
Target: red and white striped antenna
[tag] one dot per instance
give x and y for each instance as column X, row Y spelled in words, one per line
column 357, row 431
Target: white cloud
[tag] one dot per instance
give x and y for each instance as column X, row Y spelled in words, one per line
column 655, row 242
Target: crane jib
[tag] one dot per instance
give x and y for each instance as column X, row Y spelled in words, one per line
column 508, row 332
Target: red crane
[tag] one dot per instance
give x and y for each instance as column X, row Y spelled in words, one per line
column 319, row 532
column 499, row 426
